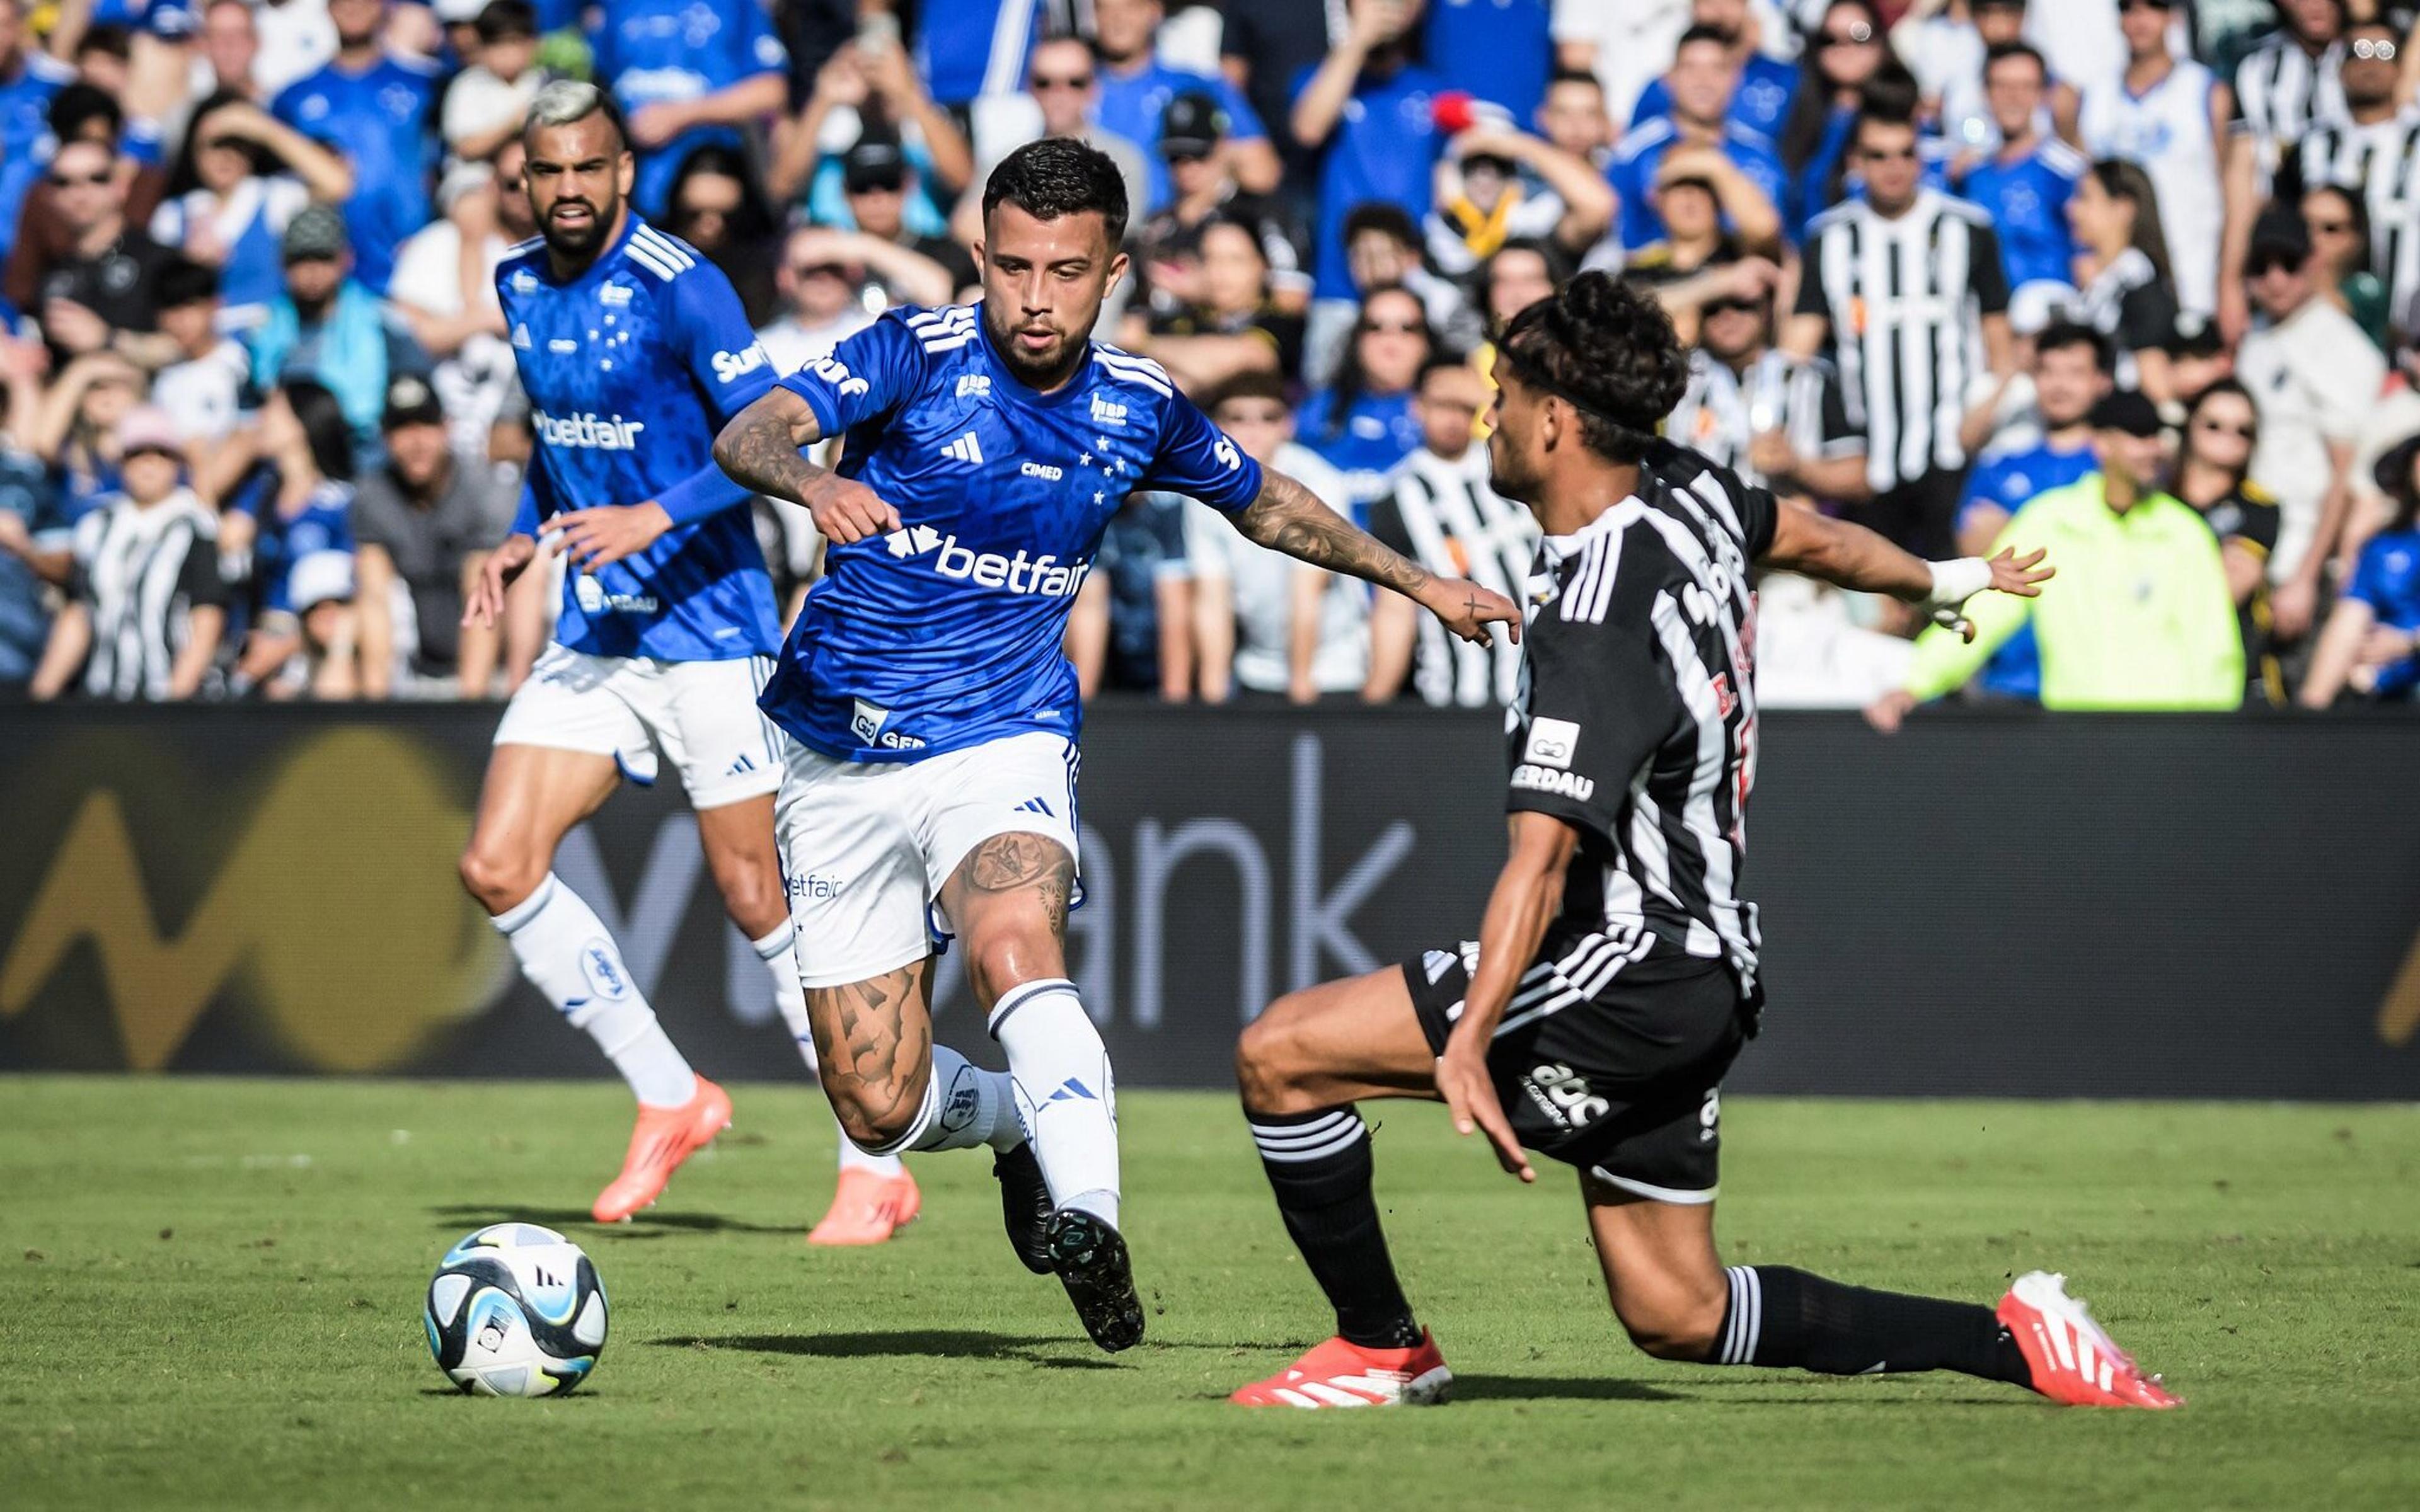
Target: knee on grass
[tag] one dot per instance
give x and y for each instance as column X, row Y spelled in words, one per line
column 1674, row 1328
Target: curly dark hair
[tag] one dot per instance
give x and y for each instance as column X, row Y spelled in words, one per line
column 1608, row 351
column 1060, row 175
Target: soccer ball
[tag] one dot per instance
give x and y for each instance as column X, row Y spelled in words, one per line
column 516, row 1310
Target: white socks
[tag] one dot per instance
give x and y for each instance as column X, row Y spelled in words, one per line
column 1064, row 1094
column 777, row 950
column 567, row 953
column 965, row 1105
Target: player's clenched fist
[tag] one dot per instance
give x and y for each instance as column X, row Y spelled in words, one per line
column 846, row 511
column 504, row 565
column 1467, row 609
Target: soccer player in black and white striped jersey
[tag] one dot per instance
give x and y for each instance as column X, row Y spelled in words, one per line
column 2374, row 152
column 1616, row 974
column 1907, row 290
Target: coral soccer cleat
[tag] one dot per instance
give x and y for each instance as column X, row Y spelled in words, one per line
column 663, row 1138
column 867, row 1208
column 2073, row 1360
column 1341, row 1374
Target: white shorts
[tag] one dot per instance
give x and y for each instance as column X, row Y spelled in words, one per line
column 867, row 845
column 702, row 714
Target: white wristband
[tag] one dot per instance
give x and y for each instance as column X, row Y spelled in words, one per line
column 1955, row 582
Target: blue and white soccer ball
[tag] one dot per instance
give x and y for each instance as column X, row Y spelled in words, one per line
column 516, row 1310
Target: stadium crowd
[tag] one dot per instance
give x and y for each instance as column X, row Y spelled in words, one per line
column 2134, row 280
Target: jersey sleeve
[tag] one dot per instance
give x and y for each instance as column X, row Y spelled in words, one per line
column 198, row 575
column 870, row 374
column 1601, row 698
column 716, row 343
column 1987, row 273
column 1196, row 457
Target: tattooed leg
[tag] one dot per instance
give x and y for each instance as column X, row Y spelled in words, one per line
column 874, row 1042
column 1009, row 901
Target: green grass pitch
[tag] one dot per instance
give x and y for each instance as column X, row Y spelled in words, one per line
column 209, row 1294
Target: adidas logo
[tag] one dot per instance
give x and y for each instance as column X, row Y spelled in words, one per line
column 740, row 767
column 965, row 449
column 1072, row 1090
column 1031, row 806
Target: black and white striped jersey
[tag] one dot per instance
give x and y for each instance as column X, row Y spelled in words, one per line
column 2282, row 92
column 140, row 573
column 1635, row 724
column 1724, row 410
column 2381, row 162
column 1904, row 299
column 1447, row 517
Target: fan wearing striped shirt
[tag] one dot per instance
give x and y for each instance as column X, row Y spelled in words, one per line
column 1616, row 973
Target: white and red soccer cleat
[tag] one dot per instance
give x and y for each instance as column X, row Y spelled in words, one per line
column 663, row 1138
column 1341, row 1374
column 2073, row 1360
column 867, row 1208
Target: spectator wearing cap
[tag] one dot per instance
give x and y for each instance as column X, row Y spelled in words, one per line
column 422, row 522
column 1370, row 111
column 448, row 299
column 1192, row 144
column 879, row 186
column 869, row 118
column 2139, row 616
column 1137, row 89
column 146, row 605
column 2314, row 375
column 1227, row 322
column 374, row 108
column 486, row 102
column 1497, row 183
column 1743, row 165
column 329, row 326
column 295, row 513
column 240, row 180
column 97, row 294
column 688, row 76
column 2371, row 645
column 207, row 391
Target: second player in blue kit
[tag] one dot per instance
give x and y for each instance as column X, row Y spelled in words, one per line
column 928, row 789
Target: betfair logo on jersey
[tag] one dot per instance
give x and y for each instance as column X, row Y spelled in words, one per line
column 730, row 367
column 1043, row 576
column 1107, row 411
column 1546, row 779
column 602, row 433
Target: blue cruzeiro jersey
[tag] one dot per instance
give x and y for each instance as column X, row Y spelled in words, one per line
column 946, row 633
column 631, row 368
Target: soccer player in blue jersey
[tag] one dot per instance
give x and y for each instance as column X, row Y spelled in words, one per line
column 634, row 350
column 930, row 782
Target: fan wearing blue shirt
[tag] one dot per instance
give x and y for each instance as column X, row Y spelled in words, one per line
column 1499, row 50
column 929, row 785
column 2027, row 182
column 1369, row 112
column 2073, row 366
column 2372, row 641
column 28, row 78
column 1743, row 166
column 970, row 48
column 688, row 74
column 634, row 350
column 1767, row 87
column 1135, row 89
column 375, row 109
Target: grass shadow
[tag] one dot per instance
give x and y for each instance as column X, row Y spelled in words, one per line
column 568, row 1219
column 1558, row 1389
column 929, row 1343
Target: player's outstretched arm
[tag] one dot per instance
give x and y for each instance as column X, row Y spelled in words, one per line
column 1854, row 557
column 1290, row 519
column 763, row 448
column 1528, row 893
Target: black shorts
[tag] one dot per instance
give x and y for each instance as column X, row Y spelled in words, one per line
column 1627, row 1086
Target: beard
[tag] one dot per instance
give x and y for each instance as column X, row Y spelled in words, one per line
column 1504, row 472
column 581, row 240
column 1035, row 370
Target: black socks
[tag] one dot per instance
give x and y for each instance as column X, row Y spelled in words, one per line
column 1783, row 1317
column 1319, row 1167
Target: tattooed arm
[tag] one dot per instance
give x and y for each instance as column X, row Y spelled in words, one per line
column 765, row 447
column 1290, row 519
